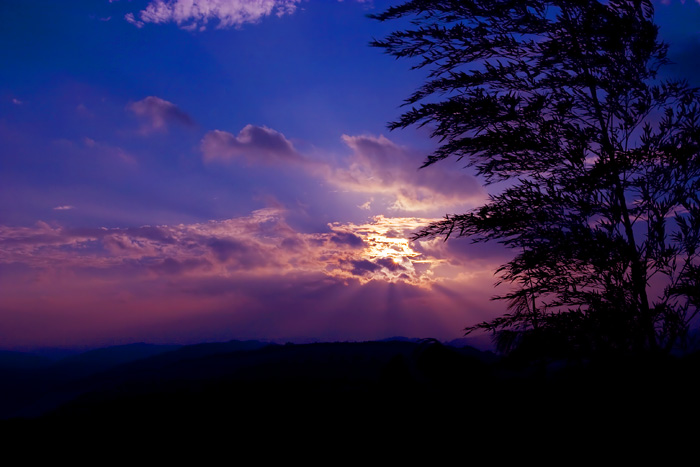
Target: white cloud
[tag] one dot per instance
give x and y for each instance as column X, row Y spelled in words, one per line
column 193, row 14
column 366, row 206
column 65, row 207
column 379, row 167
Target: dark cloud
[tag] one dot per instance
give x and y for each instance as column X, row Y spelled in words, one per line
column 173, row 267
column 292, row 244
column 363, row 266
column 348, row 239
column 238, row 253
column 225, row 249
column 390, row 264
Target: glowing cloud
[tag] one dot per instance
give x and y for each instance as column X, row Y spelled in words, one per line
column 244, row 277
column 259, row 244
column 387, row 253
column 379, row 167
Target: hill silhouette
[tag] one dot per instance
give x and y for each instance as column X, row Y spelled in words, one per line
column 34, row 390
column 330, row 387
column 20, row 360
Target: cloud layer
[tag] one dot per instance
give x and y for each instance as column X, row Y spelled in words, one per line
column 246, row 277
column 260, row 244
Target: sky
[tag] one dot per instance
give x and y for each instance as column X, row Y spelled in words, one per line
column 179, row 171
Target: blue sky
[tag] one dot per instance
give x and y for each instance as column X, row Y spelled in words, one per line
column 174, row 172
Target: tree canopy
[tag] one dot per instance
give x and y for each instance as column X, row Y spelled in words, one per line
column 601, row 159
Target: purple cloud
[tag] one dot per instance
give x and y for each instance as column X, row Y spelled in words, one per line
column 377, row 167
column 363, row 267
column 173, row 267
column 381, row 168
column 262, row 242
column 257, row 145
column 254, row 273
column 158, row 114
column 347, row 238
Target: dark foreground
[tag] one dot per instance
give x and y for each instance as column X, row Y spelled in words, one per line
column 252, row 393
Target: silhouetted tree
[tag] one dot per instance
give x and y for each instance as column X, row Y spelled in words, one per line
column 561, row 100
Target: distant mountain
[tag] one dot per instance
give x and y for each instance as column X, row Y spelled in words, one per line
column 108, row 357
column 21, row 360
column 400, row 339
column 189, row 353
column 202, row 350
column 266, row 386
column 38, row 389
column 482, row 342
column 257, row 366
column 58, row 353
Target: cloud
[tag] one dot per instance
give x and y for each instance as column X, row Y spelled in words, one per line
column 63, row 208
column 256, row 145
column 347, row 238
column 252, row 276
column 377, row 166
column 249, row 243
column 103, row 151
column 362, row 266
column 157, row 114
column 299, row 308
column 259, row 244
column 197, row 14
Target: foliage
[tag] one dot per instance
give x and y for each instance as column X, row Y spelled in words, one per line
column 561, row 100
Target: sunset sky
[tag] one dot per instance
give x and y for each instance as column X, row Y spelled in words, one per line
column 178, row 171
